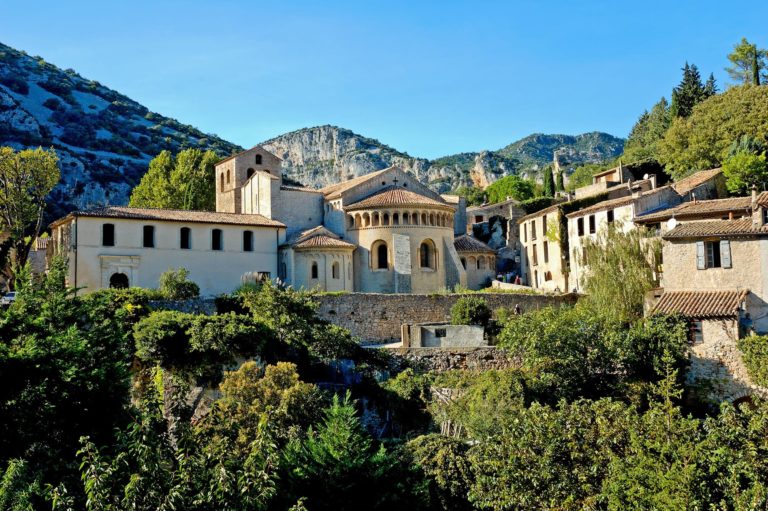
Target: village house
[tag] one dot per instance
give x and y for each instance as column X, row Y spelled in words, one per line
column 496, row 224
column 716, row 275
column 382, row 232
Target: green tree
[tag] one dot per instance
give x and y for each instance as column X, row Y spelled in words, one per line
column 619, row 269
column 510, row 186
column 26, row 179
column 642, row 143
column 689, row 92
column 702, row 140
column 446, row 466
column 186, row 181
column 559, row 186
column 475, row 195
column 748, row 63
column 470, row 310
column 549, row 183
column 744, row 170
column 175, row 285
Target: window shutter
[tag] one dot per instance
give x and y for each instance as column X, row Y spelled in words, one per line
column 725, row 253
column 700, row 256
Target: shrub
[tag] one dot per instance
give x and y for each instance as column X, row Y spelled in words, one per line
column 754, row 350
column 175, row 285
column 470, row 310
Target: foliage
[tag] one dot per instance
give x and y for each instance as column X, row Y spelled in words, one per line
column 754, row 350
column 174, row 285
column 334, row 466
column 702, row 140
column 470, row 310
column 474, row 194
column 748, row 63
column 548, row 182
column 582, row 175
column 445, row 465
column 26, row 179
column 690, row 91
column 186, row 181
column 620, row 269
column 537, row 204
column 559, row 186
column 510, row 186
column 645, row 136
column 744, row 170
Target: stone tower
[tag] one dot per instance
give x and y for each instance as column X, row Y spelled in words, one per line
column 233, row 172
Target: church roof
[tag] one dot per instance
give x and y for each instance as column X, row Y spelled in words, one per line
column 318, row 237
column 334, row 191
column 396, row 196
column 257, row 146
column 173, row 215
column 701, row 304
column 466, row 243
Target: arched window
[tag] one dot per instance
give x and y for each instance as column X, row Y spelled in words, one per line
column 247, row 241
column 406, row 219
column 358, row 221
column 118, row 281
column 351, row 221
column 366, row 220
column 431, row 219
column 217, row 241
column 464, row 263
column 481, row 263
column 258, row 159
column 424, row 219
column 395, row 219
column 385, row 219
column 185, row 238
column 227, row 176
column 335, row 270
column 108, row 235
column 427, row 254
column 414, row 218
column 222, row 181
column 379, row 255
column 375, row 222
column 249, row 173
column 314, row 270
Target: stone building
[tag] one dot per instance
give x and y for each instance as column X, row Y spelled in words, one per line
column 716, row 275
column 544, row 262
column 478, row 259
column 382, row 232
column 496, row 225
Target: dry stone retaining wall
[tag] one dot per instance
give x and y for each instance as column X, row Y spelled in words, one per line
column 377, row 318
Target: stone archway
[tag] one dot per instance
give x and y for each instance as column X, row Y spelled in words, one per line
column 119, row 281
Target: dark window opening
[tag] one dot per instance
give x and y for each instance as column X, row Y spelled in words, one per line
column 713, row 254
column 314, row 270
column 185, row 241
column 382, row 256
column 335, row 270
column 108, row 235
column 695, row 333
column 592, row 228
column 533, row 229
column 216, row 240
column 546, row 252
column 149, row 236
column 118, row 281
column 580, row 225
column 258, row 159
column 440, row 332
column 249, row 173
column 248, row 241
column 478, row 219
column 610, row 216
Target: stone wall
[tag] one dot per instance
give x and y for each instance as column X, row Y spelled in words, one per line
column 446, row 359
column 377, row 318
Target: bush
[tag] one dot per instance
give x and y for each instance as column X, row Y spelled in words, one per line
column 174, row 285
column 754, row 349
column 470, row 310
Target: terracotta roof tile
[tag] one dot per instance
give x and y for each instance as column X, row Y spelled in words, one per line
column 466, row 243
column 334, row 191
column 174, row 215
column 715, row 207
column 687, row 184
column 722, row 228
column 536, row 214
column 602, row 206
column 396, row 196
column 322, row 241
column 701, row 304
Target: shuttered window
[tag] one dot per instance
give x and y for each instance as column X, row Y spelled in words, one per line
column 713, row 254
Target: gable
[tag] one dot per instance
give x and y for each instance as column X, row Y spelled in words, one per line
column 366, row 186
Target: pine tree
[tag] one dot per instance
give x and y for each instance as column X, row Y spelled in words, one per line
column 710, row 88
column 749, row 63
column 688, row 93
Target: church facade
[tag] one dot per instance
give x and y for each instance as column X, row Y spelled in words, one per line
column 384, row 232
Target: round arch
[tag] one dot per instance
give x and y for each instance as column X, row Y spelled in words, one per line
column 119, row 280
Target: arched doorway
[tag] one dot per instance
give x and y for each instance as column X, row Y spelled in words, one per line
column 118, row 281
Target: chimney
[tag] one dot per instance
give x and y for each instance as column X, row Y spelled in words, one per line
column 758, row 218
column 754, row 197
column 693, row 197
column 652, row 178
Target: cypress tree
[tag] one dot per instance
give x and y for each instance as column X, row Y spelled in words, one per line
column 559, row 182
column 549, row 183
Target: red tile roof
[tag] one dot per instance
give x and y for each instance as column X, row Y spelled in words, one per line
column 704, row 208
column 687, row 184
column 701, row 304
column 396, row 196
column 466, row 243
column 174, row 215
column 322, row 241
column 721, row 228
column 334, row 191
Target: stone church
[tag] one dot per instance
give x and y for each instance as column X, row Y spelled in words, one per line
column 384, row 232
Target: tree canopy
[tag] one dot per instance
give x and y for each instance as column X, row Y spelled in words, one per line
column 749, row 63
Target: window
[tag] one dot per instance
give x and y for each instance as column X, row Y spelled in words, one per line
column 535, row 255
column 258, row 159
column 545, row 246
column 247, row 241
column 441, row 332
column 765, row 215
column 149, row 236
column 217, row 241
column 185, row 241
column 592, row 224
column 227, row 176
column 525, row 234
column 335, row 270
column 118, row 281
column 580, row 226
column 464, row 262
column 713, row 254
column 314, row 270
column 544, row 226
column 478, row 219
column 427, row 255
column 379, row 255
column 108, row 235
column 609, row 214
column 222, row 181
column 249, row 172
column 695, row 334
column 533, row 229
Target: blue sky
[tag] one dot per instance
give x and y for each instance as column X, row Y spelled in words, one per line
column 428, row 78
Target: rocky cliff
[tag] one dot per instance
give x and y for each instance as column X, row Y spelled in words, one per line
column 325, row 155
column 104, row 140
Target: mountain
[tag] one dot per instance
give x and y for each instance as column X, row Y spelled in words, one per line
column 325, row 155
column 104, row 139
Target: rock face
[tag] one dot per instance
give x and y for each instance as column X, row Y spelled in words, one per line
column 325, row 155
column 104, row 140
